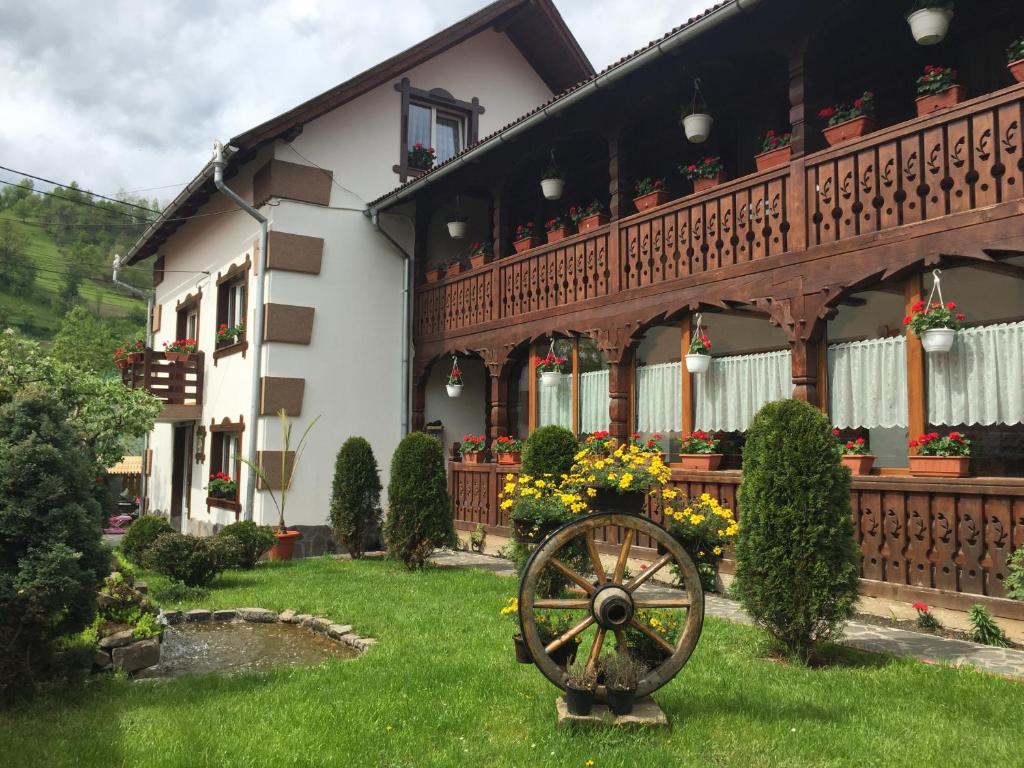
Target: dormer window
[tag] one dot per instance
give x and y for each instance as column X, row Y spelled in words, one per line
column 433, row 120
column 433, row 127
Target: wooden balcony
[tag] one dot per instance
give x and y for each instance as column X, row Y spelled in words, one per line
column 177, row 384
column 951, row 163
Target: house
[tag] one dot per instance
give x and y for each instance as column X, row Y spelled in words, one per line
column 334, row 339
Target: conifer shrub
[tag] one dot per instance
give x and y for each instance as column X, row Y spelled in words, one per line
column 796, row 561
column 192, row 560
column 252, row 542
column 419, row 511
column 355, row 495
column 549, row 450
column 141, row 535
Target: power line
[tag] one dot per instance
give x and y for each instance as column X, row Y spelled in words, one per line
column 66, row 186
column 77, row 201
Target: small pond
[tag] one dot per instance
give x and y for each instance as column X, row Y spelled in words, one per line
column 240, row 646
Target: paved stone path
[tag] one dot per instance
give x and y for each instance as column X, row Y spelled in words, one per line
column 931, row 649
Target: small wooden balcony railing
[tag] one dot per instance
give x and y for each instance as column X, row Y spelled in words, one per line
column 174, row 382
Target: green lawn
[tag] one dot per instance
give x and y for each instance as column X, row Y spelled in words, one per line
column 442, row 689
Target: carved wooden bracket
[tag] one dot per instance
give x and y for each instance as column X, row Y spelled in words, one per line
column 798, row 315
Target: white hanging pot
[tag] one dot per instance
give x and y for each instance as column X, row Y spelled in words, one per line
column 552, row 188
column 550, row 378
column 698, row 363
column 457, row 228
column 698, row 127
column 938, row 339
column 454, row 390
column 930, row 25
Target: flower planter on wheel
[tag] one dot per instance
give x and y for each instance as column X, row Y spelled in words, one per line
column 579, row 701
column 621, row 702
column 627, row 502
column 529, row 532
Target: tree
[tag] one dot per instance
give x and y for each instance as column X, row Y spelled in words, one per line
column 549, row 450
column 67, row 296
column 419, row 510
column 796, row 561
column 355, row 495
column 17, row 267
column 85, row 342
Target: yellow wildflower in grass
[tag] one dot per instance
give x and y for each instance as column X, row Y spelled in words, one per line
column 510, row 477
column 511, row 606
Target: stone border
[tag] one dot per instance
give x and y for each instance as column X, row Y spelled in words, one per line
column 321, row 625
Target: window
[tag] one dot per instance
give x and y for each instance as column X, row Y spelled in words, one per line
column 431, row 126
column 232, row 306
column 187, row 326
column 225, row 456
column 434, row 119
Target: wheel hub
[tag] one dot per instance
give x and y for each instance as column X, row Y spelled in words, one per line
column 612, row 607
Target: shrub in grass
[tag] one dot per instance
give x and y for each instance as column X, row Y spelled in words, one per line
column 796, row 562
column 984, row 628
column 141, row 535
column 253, row 541
column 192, row 560
column 355, row 495
column 419, row 511
column 551, row 450
column 1015, row 580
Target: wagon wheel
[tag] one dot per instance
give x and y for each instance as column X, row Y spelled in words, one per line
column 608, row 600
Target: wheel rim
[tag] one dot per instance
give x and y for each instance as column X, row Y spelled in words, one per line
column 610, row 601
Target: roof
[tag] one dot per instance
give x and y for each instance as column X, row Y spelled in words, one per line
column 535, row 27
column 129, row 465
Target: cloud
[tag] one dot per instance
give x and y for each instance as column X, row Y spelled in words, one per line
column 118, row 94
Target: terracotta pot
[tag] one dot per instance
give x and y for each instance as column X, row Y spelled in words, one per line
column 703, row 185
column 628, row 502
column 933, row 102
column 859, row 465
column 178, row 357
column 434, row 274
column 285, row 547
column 593, row 222
column 476, row 457
column 554, row 235
column 940, row 466
column 479, row 260
column 122, row 363
column 525, row 243
column 522, row 650
column 699, row 462
column 510, row 457
column 651, row 200
column 773, row 158
column 851, row 129
column 455, row 269
column 1017, row 70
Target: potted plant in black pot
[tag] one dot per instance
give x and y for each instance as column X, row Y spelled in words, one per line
column 536, row 506
column 621, row 480
column 622, row 673
column 580, row 687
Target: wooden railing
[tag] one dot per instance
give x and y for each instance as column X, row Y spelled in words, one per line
column 173, row 382
column 946, row 542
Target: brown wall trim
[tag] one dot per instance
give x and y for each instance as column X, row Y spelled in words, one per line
column 158, row 271
column 234, row 271
column 291, row 181
column 270, row 463
column 154, row 320
column 288, row 323
column 294, row 253
column 277, row 392
column 189, row 300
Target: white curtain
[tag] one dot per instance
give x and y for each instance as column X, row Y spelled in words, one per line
column 419, row 125
column 733, row 390
column 447, row 138
column 594, row 414
column 659, row 398
column 867, row 383
column 980, row 380
column 556, row 403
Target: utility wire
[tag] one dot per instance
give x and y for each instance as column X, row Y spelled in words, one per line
column 66, row 186
column 79, row 202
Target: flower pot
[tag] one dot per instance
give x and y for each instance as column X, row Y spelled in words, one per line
column 698, row 363
column 579, row 701
column 554, row 235
column 650, row 200
column 703, row 185
column 552, row 188
column 850, row 129
column 859, row 465
column 522, row 650
column 529, row 532
column 479, row 260
column 454, row 390
column 564, row 655
column 933, row 102
column 773, row 158
column 510, row 457
column 525, row 243
column 621, row 702
column 699, row 462
column 627, row 502
column 457, row 228
column 455, row 269
column 550, row 378
column 1017, row 70
column 593, row 222
column 938, row 339
column 929, row 25
column 698, row 127
column 434, row 274
column 178, row 357
column 940, row 466
column 285, row 546
column 474, row 457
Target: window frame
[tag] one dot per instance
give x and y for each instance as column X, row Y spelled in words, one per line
column 439, row 101
column 188, row 312
column 220, row 434
column 236, row 277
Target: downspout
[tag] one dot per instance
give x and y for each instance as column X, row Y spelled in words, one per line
column 252, row 428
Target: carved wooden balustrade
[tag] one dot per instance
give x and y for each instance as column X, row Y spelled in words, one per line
column 173, row 382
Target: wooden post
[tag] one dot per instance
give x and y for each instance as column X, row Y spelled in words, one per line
column 913, row 293
column 618, row 396
column 796, row 203
column 498, row 400
column 575, row 359
column 686, row 378
column 806, row 356
column 499, row 222
column 797, row 99
column 419, row 403
column 618, row 202
column 532, row 369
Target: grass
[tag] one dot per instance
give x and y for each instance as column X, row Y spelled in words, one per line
column 441, row 689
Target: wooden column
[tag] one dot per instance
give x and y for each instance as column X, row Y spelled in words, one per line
column 618, row 199
column 685, row 377
column 807, row 353
column 531, row 367
column 575, row 409
column 916, row 415
column 619, row 374
column 419, row 403
column 499, row 222
column 796, row 202
column 421, row 224
column 498, row 400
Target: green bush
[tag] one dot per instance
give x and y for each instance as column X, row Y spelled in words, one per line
column 192, row 560
column 355, row 495
column 52, row 558
column 1015, row 580
column 549, row 450
column 796, row 561
column 141, row 535
column 419, row 511
column 984, row 628
column 253, row 542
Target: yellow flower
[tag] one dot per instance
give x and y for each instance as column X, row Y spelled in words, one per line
column 668, row 493
column 717, row 550
column 506, row 504
column 510, row 477
column 589, row 763
column 591, row 492
column 540, row 484
column 705, row 497
column 625, row 482
column 509, row 487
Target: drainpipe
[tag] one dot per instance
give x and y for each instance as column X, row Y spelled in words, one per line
column 219, row 163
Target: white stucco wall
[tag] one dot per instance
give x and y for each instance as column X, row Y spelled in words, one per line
column 463, row 415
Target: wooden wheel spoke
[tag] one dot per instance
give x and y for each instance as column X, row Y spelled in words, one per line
column 648, row 574
column 620, row 641
column 572, row 576
column 558, row 642
column 595, row 557
column 595, row 650
column 658, row 639
column 561, row 604
column 620, row 564
column 666, row 602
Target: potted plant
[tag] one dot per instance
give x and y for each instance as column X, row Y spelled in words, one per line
column 129, row 352
column 454, row 385
column 622, row 674
column 699, row 452
column 697, row 126
column 599, row 443
column 557, row 229
column 473, row 449
column 536, row 506
column 507, row 450
column 703, row 527
column 705, row 173
column 523, row 238
column 854, row 454
column 179, row 350
column 1015, row 59
column 455, row 266
column 589, row 217
column 222, row 486
column 511, row 611
column 435, row 273
column 580, row 687
column 775, row 150
column 847, row 122
column 929, row 20
column 458, row 226
column 665, row 623
column 229, row 334
column 936, row 324
column 285, row 546
column 649, row 193
column 937, row 89
column 698, row 359
column 621, row 481
column 552, row 182
column 948, row 456
column 421, row 158
column 480, row 254
column 550, row 368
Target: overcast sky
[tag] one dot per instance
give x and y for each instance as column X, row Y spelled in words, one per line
column 129, row 95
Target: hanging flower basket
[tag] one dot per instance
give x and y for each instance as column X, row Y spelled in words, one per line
column 935, row 322
column 550, row 378
column 697, row 127
column 1015, row 59
column 938, row 340
column 552, row 181
column 937, row 89
column 698, row 363
column 457, row 228
column 454, row 390
column 649, row 193
column 930, row 23
column 454, row 385
column 698, row 359
column 775, row 150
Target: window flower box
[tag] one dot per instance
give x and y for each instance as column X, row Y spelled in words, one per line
column 705, row 174
column 180, row 350
column 937, row 89
column 697, row 452
column 849, row 130
column 940, row 466
column 649, row 193
column 938, row 456
column 455, row 268
column 526, row 243
column 859, row 464
column 474, row 449
column 557, row 229
column 435, row 273
column 1015, row 59
column 942, row 100
column 480, row 254
column 847, row 122
column 589, row 217
column 507, row 450
column 775, row 151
